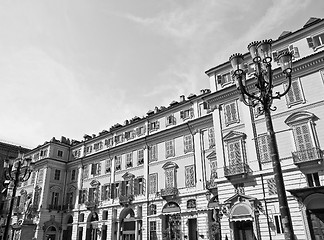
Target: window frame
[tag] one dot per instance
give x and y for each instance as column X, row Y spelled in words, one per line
column 169, row 148
column 233, row 106
column 292, row 90
column 190, row 180
column 188, row 143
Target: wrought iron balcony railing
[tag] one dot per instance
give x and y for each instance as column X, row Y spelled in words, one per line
column 126, row 200
column 236, row 169
column 169, row 192
column 308, row 155
column 68, row 207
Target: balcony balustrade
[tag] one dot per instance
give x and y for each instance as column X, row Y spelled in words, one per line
column 308, row 155
column 237, row 170
column 92, row 204
column 126, row 200
column 169, row 192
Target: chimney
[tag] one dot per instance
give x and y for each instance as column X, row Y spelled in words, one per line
column 156, row 109
column 182, row 98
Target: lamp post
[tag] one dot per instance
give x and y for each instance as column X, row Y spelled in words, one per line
column 263, row 95
column 16, row 170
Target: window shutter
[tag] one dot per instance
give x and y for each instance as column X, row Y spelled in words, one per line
column 264, row 148
column 296, row 52
column 80, row 196
column 138, row 131
column 157, row 125
column 219, row 79
column 103, row 193
column 310, row 42
column 182, row 114
column 112, row 191
column 191, row 112
column 123, row 188
column 85, row 171
column 143, row 185
column 99, row 168
column 93, row 168
column 85, row 195
column 116, row 139
column 127, row 135
column 227, row 114
column 275, row 56
column 296, row 90
column 303, row 137
column 233, row 112
column 136, row 187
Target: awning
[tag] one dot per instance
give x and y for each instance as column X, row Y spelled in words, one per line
column 241, row 218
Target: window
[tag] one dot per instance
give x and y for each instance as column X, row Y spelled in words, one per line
column 191, row 203
column 169, row 178
column 187, row 114
column 295, row 93
column 303, row 140
column 115, row 190
column 108, row 166
column 96, row 169
column 130, row 135
column 190, row 176
column 55, row 199
column 231, row 113
column 140, row 157
column 73, row 175
column 98, row 146
column 153, row 126
column 188, row 143
column 139, row 186
column 57, row 174
column 118, row 163
column 211, row 137
column 278, row 223
column 170, row 120
column 213, row 169
column 315, row 41
column 169, row 149
column 36, row 156
column 153, row 183
column 129, row 160
column 239, row 188
column 81, row 219
column 225, row 78
column 85, row 173
column 92, row 194
column 153, row 235
column 152, row 209
column 313, row 180
column 272, row 188
column 264, row 149
column 153, row 153
column 88, row 149
column 33, row 177
column 234, row 153
column 104, row 215
column 105, row 192
column 140, row 131
column 119, row 138
column 60, row 153
column 109, row 142
column 77, row 153
column 43, row 153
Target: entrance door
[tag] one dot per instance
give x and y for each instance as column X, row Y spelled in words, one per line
column 317, row 222
column 243, row 230
column 128, row 236
column 192, row 225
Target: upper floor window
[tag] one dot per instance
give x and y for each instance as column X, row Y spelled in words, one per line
column 129, row 160
column 60, row 153
column 140, row 130
column 98, row 146
column 105, row 192
column 119, row 138
column 225, row 78
column 43, row 153
column 140, row 157
column 231, row 113
column 190, row 176
column 139, row 187
column 88, row 149
column 83, row 195
column 77, row 153
column 187, row 114
column 235, row 148
column 85, row 172
column 316, row 41
column 153, row 153
column 264, row 149
column 169, row 149
column 295, row 94
column 272, row 188
column 313, row 180
column 109, row 142
column 118, row 163
column 130, row 134
column 188, row 143
column 211, row 137
column 73, row 175
column 57, row 174
column 153, row 126
column 170, row 120
column 153, row 180
column 96, row 169
column 170, row 171
column 108, row 166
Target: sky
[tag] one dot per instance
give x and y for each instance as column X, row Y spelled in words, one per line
column 75, row 67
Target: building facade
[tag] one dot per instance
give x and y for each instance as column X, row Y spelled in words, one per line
column 197, row 169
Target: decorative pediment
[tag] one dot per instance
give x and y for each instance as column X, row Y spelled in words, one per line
column 239, row 198
column 94, row 183
column 55, row 188
column 170, row 165
column 72, row 188
column 302, row 116
column 128, row 175
column 212, row 155
column 234, row 135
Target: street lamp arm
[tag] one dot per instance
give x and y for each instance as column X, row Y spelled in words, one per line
column 279, row 95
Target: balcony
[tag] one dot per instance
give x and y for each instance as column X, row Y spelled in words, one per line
column 126, row 200
column 68, row 207
column 55, row 207
column 92, row 204
column 170, row 192
column 314, row 155
column 239, row 170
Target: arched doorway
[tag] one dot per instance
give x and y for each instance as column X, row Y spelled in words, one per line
column 67, row 233
column 171, row 221
column 214, row 219
column 315, row 215
column 92, row 226
column 127, row 224
column 50, row 233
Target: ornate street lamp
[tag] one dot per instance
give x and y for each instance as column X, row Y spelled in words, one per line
column 263, row 96
column 17, row 171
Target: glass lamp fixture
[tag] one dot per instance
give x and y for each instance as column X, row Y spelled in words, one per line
column 252, row 47
column 237, row 63
column 285, row 61
column 264, row 50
